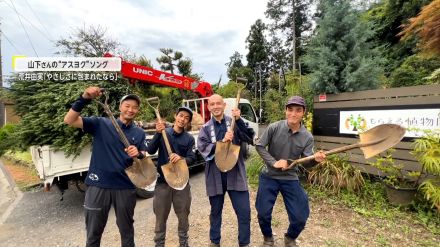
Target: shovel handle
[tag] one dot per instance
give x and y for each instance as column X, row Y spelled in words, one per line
column 334, row 151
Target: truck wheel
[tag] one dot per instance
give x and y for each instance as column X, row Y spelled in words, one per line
column 246, row 150
column 81, row 186
column 144, row 194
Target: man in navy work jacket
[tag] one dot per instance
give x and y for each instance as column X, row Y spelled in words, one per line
column 108, row 184
column 286, row 139
column 182, row 144
column 234, row 181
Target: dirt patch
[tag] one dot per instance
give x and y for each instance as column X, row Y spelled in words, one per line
column 329, row 225
column 23, row 176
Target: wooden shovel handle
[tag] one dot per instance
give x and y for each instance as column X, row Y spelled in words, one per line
column 333, row 151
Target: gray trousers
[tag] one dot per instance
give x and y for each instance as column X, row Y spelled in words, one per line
column 164, row 197
column 97, row 204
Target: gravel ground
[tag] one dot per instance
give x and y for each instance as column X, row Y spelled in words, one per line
column 41, row 219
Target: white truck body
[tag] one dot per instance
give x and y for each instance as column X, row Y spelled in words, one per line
column 53, row 166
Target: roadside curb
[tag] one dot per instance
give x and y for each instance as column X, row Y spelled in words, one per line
column 7, row 181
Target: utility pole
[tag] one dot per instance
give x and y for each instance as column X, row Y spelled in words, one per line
column 2, row 105
column 293, row 35
column 259, row 69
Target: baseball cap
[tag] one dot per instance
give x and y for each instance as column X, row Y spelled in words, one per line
column 184, row 108
column 131, row 96
column 296, row 100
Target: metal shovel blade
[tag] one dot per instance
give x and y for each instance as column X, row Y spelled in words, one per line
column 386, row 136
column 142, row 173
column 176, row 174
column 372, row 142
column 226, row 155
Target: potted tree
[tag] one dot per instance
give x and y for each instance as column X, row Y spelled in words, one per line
column 400, row 185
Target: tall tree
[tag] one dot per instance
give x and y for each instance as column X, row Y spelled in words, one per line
column 257, row 57
column 339, row 54
column 172, row 59
column 168, row 61
column 291, row 20
column 234, row 65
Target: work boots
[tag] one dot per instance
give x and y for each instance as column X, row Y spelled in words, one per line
column 289, row 242
column 268, row 242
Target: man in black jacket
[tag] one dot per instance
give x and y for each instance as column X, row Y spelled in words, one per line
column 182, row 144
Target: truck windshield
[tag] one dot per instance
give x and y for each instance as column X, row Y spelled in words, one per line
column 247, row 112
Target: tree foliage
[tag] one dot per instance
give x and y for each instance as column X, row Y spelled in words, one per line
column 257, row 57
column 170, row 60
column 413, row 71
column 43, row 104
column 426, row 26
column 340, row 57
column 387, row 16
column 90, row 42
column 283, row 14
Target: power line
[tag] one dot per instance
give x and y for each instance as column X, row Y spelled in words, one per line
column 22, row 16
column 10, row 42
column 29, row 38
column 38, row 18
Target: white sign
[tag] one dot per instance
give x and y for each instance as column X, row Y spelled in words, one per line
column 352, row 121
column 28, row 64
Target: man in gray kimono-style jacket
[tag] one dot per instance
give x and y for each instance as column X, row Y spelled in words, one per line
column 234, row 181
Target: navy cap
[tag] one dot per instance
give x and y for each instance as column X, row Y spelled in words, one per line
column 131, row 96
column 184, row 108
column 296, row 100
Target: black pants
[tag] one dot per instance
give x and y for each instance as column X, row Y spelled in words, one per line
column 97, row 204
column 164, row 197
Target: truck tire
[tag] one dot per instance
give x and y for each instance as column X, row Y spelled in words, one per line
column 246, row 150
column 144, row 194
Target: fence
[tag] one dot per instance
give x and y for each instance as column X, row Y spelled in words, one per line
column 327, row 123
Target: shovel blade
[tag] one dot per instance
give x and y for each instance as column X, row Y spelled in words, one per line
column 226, row 155
column 142, row 173
column 386, row 135
column 176, row 174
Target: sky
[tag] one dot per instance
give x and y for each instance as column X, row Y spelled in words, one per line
column 208, row 32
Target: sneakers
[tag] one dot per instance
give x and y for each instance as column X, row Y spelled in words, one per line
column 289, row 242
column 214, row 245
column 268, row 242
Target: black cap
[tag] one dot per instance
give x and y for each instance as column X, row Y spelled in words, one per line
column 131, row 96
column 184, row 108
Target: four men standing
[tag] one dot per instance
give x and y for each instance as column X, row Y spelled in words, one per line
column 109, row 184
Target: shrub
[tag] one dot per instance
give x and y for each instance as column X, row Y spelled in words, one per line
column 336, row 173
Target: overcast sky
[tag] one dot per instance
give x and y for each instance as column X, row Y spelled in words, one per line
column 206, row 31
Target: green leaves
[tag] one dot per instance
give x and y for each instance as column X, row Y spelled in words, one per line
column 340, row 57
column 43, row 104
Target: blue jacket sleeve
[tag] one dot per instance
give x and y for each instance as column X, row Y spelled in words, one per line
column 153, row 146
column 190, row 156
column 243, row 132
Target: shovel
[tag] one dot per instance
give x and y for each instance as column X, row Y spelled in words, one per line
column 372, row 142
column 142, row 173
column 226, row 153
column 176, row 174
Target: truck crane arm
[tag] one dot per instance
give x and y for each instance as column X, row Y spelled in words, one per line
column 135, row 72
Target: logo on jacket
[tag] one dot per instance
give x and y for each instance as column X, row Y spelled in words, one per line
column 93, row 177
